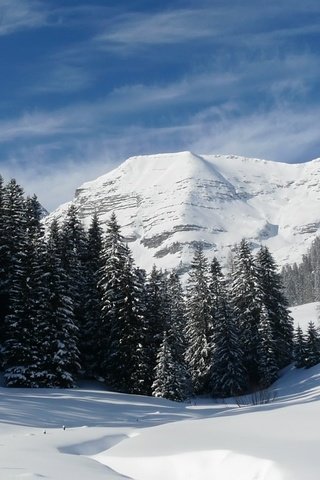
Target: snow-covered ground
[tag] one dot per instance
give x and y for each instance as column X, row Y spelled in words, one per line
column 112, row 436
column 303, row 314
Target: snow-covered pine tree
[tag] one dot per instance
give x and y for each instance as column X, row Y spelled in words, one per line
column 33, row 217
column 268, row 365
column 59, row 351
column 17, row 354
column 122, row 334
column 272, row 297
column 74, row 255
column 199, row 323
column 176, row 331
column 169, row 378
column 92, row 301
column 228, row 374
column 299, row 348
column 246, row 300
column 176, row 322
column 217, row 289
column 157, row 316
column 4, row 270
column 312, row 346
column 21, row 354
column 73, row 243
column 92, row 298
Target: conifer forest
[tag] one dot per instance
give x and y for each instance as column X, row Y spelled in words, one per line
column 73, row 304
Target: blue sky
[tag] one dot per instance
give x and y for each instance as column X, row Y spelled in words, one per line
column 86, row 84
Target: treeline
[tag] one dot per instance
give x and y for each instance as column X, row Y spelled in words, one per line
column 74, row 303
column 302, row 282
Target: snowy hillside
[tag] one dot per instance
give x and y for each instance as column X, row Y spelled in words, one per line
column 165, row 203
column 112, row 435
column 303, row 314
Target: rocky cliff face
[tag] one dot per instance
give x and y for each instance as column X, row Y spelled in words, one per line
column 168, row 203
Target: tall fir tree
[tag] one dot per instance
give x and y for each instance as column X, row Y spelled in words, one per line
column 268, row 365
column 272, row 297
column 199, row 323
column 312, row 346
column 89, row 338
column 157, row 316
column 169, row 378
column 4, row 269
column 228, row 374
column 123, row 323
column 22, row 354
column 176, row 331
column 246, row 301
column 300, row 348
column 60, row 354
column 74, row 255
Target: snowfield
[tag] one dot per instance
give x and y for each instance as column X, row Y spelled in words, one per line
column 112, row 436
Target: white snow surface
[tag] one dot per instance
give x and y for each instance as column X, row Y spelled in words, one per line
column 112, row 435
column 167, row 202
column 303, row 314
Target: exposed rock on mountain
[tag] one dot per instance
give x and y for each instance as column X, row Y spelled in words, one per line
column 168, row 203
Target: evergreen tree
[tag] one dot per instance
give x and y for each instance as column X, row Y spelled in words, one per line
column 272, row 298
column 123, row 323
column 176, row 330
column 228, row 374
column 22, row 354
column 169, row 379
column 4, row 269
column 33, row 211
column 246, row 301
column 217, row 289
column 199, row 323
column 300, row 348
column 268, row 365
column 157, row 316
column 90, row 335
column 312, row 346
column 59, row 351
column 176, row 318
column 73, row 244
column 74, row 254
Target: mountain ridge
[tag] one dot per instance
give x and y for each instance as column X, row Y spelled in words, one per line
column 168, row 203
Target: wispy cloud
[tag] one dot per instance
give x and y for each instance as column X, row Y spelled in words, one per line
column 62, row 78
column 209, row 22
column 18, row 15
column 54, row 170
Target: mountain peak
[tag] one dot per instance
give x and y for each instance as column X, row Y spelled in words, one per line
column 170, row 202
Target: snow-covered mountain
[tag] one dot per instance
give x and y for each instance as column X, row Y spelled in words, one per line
column 167, row 203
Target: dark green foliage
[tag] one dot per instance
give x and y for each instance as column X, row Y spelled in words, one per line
column 312, row 346
column 268, row 364
column 169, row 376
column 302, row 282
column 90, row 330
column 157, row 316
column 276, row 307
column 228, row 374
column 60, row 355
column 246, row 300
column 199, row 323
column 300, row 348
column 123, row 330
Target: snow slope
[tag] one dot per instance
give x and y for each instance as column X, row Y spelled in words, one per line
column 303, row 314
column 112, row 436
column 166, row 203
